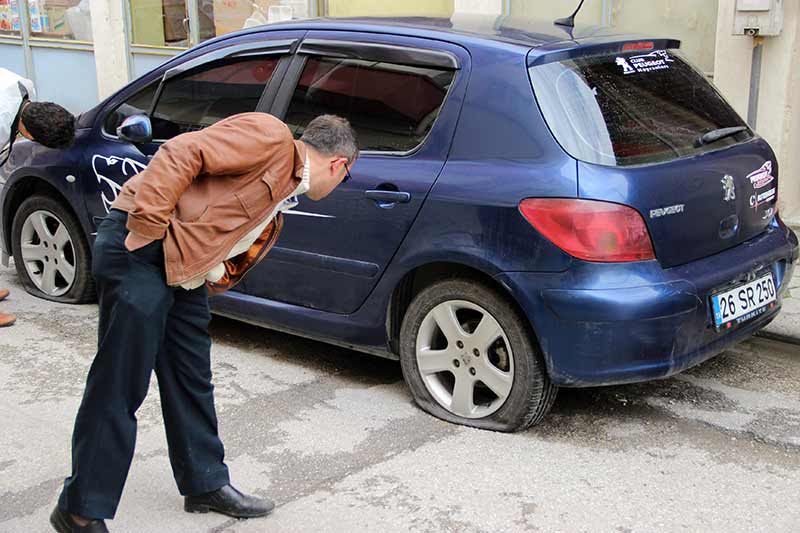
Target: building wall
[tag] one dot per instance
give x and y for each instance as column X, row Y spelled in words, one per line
column 694, row 22
column 591, row 13
column 372, row 8
column 779, row 93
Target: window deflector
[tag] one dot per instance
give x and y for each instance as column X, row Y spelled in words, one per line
column 405, row 55
column 281, row 46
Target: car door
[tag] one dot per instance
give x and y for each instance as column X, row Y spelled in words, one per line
column 402, row 96
column 230, row 79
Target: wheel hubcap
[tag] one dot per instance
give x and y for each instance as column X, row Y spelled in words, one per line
column 48, row 253
column 465, row 359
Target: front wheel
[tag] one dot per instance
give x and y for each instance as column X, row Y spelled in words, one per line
column 469, row 359
column 51, row 254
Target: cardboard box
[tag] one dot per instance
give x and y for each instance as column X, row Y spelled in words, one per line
column 175, row 29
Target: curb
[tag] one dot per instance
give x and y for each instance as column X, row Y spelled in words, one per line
column 778, row 337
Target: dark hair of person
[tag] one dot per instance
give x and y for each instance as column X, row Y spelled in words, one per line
column 331, row 135
column 49, row 124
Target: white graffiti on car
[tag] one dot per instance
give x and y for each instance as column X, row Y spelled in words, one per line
column 124, row 167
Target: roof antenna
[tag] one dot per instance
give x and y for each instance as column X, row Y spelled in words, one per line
column 570, row 20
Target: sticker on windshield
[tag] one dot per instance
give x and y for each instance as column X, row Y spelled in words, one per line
column 658, row 60
column 762, row 177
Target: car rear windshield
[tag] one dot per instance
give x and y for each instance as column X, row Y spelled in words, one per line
column 632, row 108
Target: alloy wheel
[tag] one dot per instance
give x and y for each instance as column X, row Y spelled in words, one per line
column 465, row 359
column 48, row 253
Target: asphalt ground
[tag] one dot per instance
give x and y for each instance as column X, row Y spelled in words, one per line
column 334, row 437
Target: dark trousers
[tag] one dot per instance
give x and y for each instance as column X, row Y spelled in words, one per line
column 145, row 325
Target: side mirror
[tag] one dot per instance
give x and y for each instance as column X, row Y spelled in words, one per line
column 136, row 129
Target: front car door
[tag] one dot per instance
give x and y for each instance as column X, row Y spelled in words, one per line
column 402, row 95
column 234, row 78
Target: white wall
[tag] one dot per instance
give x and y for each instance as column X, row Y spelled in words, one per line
column 110, row 49
column 694, row 22
column 779, row 99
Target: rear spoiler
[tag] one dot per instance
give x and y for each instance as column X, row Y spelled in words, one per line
column 596, row 47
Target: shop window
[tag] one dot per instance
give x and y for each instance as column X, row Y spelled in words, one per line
column 60, row 19
column 166, row 22
column 392, row 107
column 9, row 17
column 192, row 102
column 159, row 23
column 218, row 17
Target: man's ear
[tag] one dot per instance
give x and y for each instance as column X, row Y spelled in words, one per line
column 338, row 163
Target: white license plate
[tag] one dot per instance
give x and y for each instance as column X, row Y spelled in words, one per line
column 744, row 302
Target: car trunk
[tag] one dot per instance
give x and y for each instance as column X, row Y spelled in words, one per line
column 649, row 131
column 697, row 207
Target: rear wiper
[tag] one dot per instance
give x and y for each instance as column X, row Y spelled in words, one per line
column 716, row 135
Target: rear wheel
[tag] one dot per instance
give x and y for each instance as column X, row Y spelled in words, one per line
column 51, row 254
column 468, row 358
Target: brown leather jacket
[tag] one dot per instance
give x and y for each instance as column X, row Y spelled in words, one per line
column 205, row 190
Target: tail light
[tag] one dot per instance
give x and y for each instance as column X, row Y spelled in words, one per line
column 591, row 230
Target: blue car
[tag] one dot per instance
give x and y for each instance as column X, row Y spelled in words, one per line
column 536, row 206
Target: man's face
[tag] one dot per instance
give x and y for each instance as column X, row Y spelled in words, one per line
column 326, row 177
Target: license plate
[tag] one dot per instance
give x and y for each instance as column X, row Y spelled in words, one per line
column 744, row 302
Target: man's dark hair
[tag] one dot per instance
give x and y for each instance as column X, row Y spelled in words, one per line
column 331, row 136
column 49, row 124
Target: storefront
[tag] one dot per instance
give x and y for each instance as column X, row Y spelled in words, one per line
column 50, row 41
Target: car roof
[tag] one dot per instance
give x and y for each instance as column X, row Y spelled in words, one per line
column 464, row 29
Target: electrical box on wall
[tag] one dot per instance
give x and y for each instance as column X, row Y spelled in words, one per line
column 758, row 18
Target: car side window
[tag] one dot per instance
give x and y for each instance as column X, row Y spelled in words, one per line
column 391, row 106
column 201, row 97
column 206, row 95
column 138, row 104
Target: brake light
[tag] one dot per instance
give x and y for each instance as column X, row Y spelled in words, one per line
column 591, row 230
column 635, row 47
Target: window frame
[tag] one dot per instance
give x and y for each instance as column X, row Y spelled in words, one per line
column 350, row 49
column 262, row 48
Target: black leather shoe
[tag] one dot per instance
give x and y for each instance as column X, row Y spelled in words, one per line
column 63, row 523
column 228, row 501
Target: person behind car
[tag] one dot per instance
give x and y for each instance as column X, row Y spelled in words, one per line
column 205, row 210
column 43, row 122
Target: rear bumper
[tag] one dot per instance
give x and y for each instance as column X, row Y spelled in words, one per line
column 601, row 324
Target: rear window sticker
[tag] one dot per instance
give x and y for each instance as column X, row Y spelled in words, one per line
column 762, row 177
column 658, row 60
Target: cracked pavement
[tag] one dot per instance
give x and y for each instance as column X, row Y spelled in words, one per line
column 333, row 436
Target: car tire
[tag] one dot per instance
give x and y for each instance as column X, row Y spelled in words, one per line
column 439, row 372
column 43, row 233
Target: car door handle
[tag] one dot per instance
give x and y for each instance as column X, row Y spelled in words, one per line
column 388, row 197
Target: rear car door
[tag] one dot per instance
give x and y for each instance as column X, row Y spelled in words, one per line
column 192, row 95
column 402, row 95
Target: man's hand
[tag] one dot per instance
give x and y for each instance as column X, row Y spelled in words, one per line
column 134, row 242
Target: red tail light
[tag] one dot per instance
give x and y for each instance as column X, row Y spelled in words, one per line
column 591, row 230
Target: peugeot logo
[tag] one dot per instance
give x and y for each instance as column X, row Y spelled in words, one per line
column 729, row 188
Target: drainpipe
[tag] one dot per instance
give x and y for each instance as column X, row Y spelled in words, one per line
column 755, row 81
column 25, row 32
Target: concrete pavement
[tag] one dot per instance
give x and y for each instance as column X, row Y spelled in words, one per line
column 787, row 326
column 333, row 436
